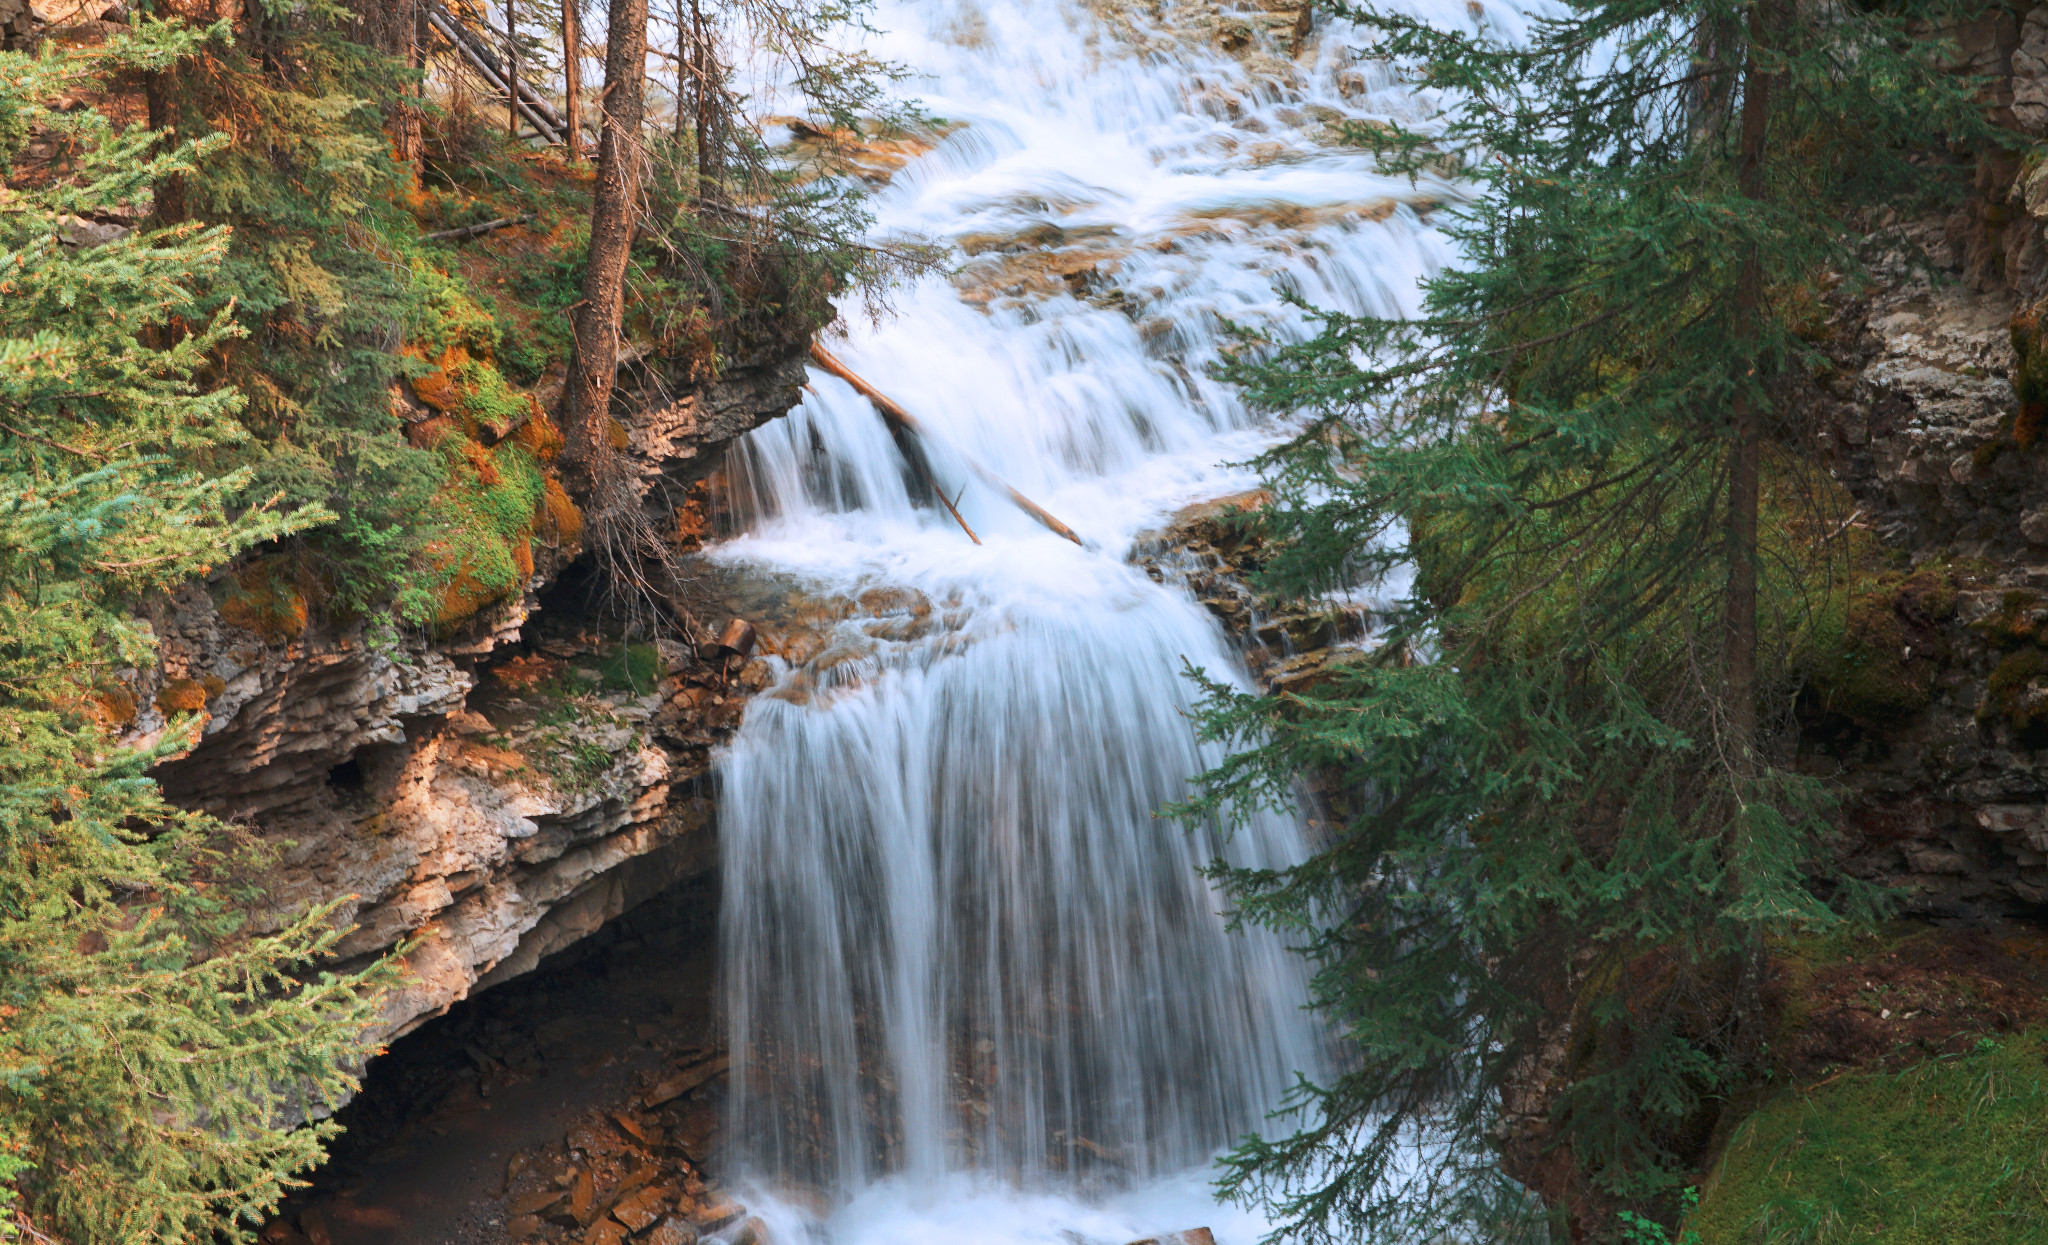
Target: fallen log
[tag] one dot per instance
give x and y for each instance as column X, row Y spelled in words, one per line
column 895, row 414
column 470, row 231
column 517, row 94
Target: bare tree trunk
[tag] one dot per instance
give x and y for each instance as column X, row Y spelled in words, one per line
column 511, row 70
column 158, row 90
column 612, row 221
column 683, row 71
column 405, row 115
column 1740, row 598
column 572, row 79
column 704, row 68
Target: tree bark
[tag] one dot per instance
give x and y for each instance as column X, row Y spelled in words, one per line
column 1739, row 669
column 705, row 70
column 159, row 89
column 612, row 221
column 572, row 80
column 405, row 115
column 511, row 70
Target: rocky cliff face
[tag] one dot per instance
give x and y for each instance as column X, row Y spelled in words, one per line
column 490, row 795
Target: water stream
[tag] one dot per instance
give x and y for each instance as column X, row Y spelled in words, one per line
column 977, row 991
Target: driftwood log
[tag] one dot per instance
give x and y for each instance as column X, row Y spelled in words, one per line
column 893, row 412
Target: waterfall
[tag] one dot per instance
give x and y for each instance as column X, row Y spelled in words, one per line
column 977, row 990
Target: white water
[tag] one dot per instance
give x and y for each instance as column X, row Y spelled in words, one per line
column 979, row 994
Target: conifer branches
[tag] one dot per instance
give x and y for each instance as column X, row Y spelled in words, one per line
column 1567, row 823
column 158, row 1056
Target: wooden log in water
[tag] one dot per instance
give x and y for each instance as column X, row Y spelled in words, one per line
column 893, row 411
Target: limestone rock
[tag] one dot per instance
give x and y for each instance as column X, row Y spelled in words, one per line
column 444, row 798
column 2030, row 75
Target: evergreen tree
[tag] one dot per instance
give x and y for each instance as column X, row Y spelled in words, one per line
column 156, row 1058
column 1565, row 824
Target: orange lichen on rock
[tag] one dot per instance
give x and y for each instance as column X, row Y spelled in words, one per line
column 528, row 671
column 463, row 596
column 560, row 519
column 436, row 388
column 114, row 706
column 691, row 524
column 261, row 599
column 540, row 435
column 481, row 462
column 181, row 696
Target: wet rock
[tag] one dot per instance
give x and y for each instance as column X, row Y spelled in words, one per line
column 604, row 1232
column 582, row 1203
column 673, row 1231
column 641, row 1208
column 738, row 638
column 537, row 1201
column 634, row 1129
column 676, row 1085
column 755, row 1232
column 314, row 1224
column 716, row 1213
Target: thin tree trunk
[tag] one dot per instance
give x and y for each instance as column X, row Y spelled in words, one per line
column 158, row 91
column 405, row 116
column 705, row 70
column 572, row 79
column 511, row 70
column 683, row 72
column 614, row 204
column 1739, row 601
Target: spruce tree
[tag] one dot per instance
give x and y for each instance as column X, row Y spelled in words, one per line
column 1564, row 823
column 157, row 1056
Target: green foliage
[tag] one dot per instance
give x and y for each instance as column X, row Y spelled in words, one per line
column 156, row 1051
column 1563, row 830
column 321, row 275
column 1636, row 1230
column 1952, row 1151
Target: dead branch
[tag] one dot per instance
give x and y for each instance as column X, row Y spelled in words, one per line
column 471, row 231
column 520, row 96
column 896, row 415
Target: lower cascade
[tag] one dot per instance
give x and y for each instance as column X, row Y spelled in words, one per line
column 977, row 988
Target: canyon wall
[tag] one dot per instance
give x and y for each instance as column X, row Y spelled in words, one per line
column 488, row 793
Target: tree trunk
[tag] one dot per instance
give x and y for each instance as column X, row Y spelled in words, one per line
column 511, row 70
column 158, row 91
column 405, row 115
column 611, row 242
column 572, row 79
column 705, row 70
column 1739, row 601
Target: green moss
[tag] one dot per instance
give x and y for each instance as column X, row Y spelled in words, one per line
column 1951, row 1150
column 488, row 399
column 1874, row 649
column 487, row 516
column 632, row 668
column 2009, row 695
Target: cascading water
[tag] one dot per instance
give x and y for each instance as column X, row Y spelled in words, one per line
column 977, row 990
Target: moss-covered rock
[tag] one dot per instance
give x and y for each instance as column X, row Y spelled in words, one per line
column 1952, row 1151
column 1875, row 651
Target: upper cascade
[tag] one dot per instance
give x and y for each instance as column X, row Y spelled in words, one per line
column 961, row 945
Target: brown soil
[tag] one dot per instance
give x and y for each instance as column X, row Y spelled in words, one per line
column 1932, row 991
